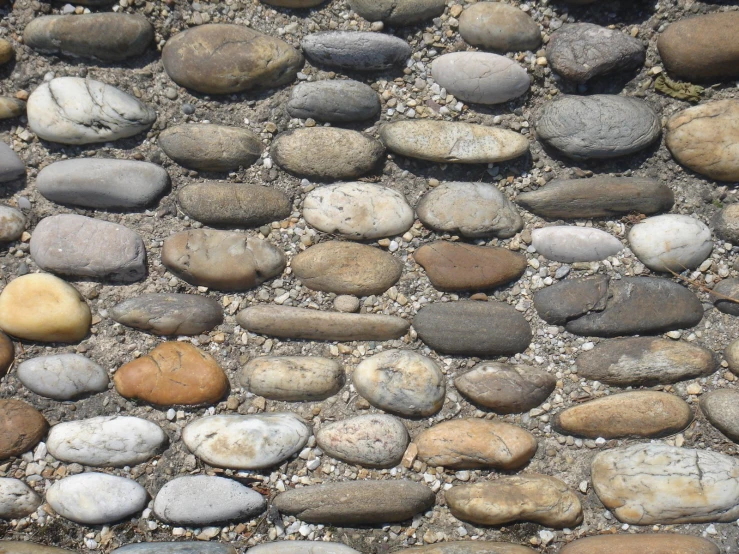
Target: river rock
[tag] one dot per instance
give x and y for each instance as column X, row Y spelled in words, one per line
column 200, row 500
column 701, row 48
column 6, row 51
column 211, row 147
column 568, row 243
column 356, row 50
column 11, row 166
column 106, row 36
column 335, row 101
column 304, row 323
column 96, row 498
column 653, row 543
column 358, row 211
column 475, row 444
column 721, row 408
column 600, row 126
column 73, row 110
column 499, row 27
column 469, row 547
column 70, row 244
column 599, row 307
column 295, row 4
column 174, row 373
column 468, row 328
column 731, row 353
column 17, row 500
column 671, row 242
column 598, row 197
column 292, row 378
column 726, row 224
column 645, row 362
column 7, row 354
column 479, row 77
column 506, row 389
column 401, row 382
column 398, row 12
column 222, row 260
column 223, row 59
column 12, row 224
column 299, row 547
column 355, row 503
column 453, row 142
column 529, row 497
column 347, row 268
column 63, row 376
column 21, row 428
column 326, row 153
column 723, row 292
column 169, row 314
column 246, row 442
column 180, row 547
column 705, row 138
column 102, row 183
column 26, row 547
column 11, row 107
column 372, row 440
column 653, row 484
column 41, row 307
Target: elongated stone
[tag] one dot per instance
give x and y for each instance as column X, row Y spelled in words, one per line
column 653, row 543
column 356, row 50
column 211, row 147
column 569, row 243
column 180, row 547
column 11, row 107
column 469, row 547
column 299, row 547
column 499, row 27
column 16, row 500
column 169, row 314
column 335, row 101
column 63, row 376
column 398, row 12
column 26, row 547
column 11, row 166
column 293, row 378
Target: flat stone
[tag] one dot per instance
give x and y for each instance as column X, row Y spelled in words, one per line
column 26, row 547
column 568, row 243
column 211, row 147
column 356, row 50
column 705, row 138
column 599, row 307
column 11, row 166
column 79, row 246
column 600, row 126
column 372, row 440
column 200, row 500
column 62, row 376
column 398, row 12
column 467, row 328
column 671, row 242
column 506, row 389
column 106, row 441
column 469, row 547
column 664, row 543
column 346, row 268
column 731, row 353
column 499, row 27
column 11, row 107
column 304, row 323
column 655, row 484
column 102, row 183
column 475, row 444
column 701, row 48
column 645, row 362
column 223, row 59
column 174, row 373
column 73, row 110
column 356, row 503
column 222, row 260
column 7, row 354
column 335, row 101
column 722, row 292
column 169, row 314
column 721, row 408
column 96, row 498
column 180, row 547
column 17, row 500
column 358, row 211
column 246, row 442
column 105, row 36
column 300, row 547
column 292, row 378
column 598, row 197
column 41, row 307
column 453, row 142
column 326, row 153
column 300, row 4
column 12, row 224
column 401, row 382
column 726, row 224
column 479, row 77
column 528, row 497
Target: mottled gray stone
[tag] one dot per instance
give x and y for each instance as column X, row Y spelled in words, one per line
column 727, row 288
column 335, row 101
column 11, row 166
column 16, row 499
column 499, row 27
column 180, row 547
column 671, row 242
column 569, row 243
column 721, row 408
column 398, row 12
column 356, row 50
column 169, row 314
column 12, row 224
column 211, row 147
column 726, row 223
column 302, row 547
column 372, row 440
column 63, row 376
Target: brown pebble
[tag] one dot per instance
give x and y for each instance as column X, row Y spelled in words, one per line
column 21, row 428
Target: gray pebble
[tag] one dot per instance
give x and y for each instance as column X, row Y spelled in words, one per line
column 335, row 101
column 63, row 376
column 357, row 51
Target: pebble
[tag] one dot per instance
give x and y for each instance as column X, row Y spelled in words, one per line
column 726, row 288
column 470, row 547
column 299, row 4
column 7, row 354
column 334, row 101
column 21, row 428
column 671, row 242
column 26, row 547
column 372, row 440
column 300, row 547
column 11, row 166
column 209, row 147
column 346, row 303
column 725, row 223
column 246, row 442
column 398, row 12
column 169, row 314
column 401, row 382
column 356, row 50
column 63, row 376
column 653, row 543
column 12, row 224
column 568, row 243
column 499, row 27
column 183, row 547
column 292, row 378
column 17, row 500
column 721, row 408
column 731, row 353
column 6, row 51
column 73, row 110
column 11, row 107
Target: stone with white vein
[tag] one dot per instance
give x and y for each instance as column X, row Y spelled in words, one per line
column 568, row 244
column 63, row 376
column 671, row 242
column 17, row 499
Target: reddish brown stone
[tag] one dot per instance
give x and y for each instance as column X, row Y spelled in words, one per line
column 7, row 353
column 21, row 428
column 646, row 543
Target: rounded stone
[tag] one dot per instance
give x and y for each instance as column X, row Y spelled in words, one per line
column 11, row 166
column 372, row 440
column 335, row 101
column 7, row 354
column 346, row 303
column 731, row 353
column 568, row 243
column 641, row 543
column 726, row 224
column 300, row 4
column 721, row 408
column 17, row 500
column 725, row 296
column 209, row 147
column 179, row 547
column 356, row 50
column 292, row 378
column 169, row 314
column 11, row 107
column 671, row 242
column 299, row 547
column 12, row 224
column 6, row 51
column 63, row 376
column 470, row 547
column 398, row 12
column 499, row 27
column 21, row 428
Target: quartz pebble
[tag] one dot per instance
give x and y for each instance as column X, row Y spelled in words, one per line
column 292, row 378
column 17, row 500
column 671, row 242
column 63, row 376
column 568, row 244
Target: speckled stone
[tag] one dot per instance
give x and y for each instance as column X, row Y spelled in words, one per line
column 372, row 440
column 292, row 378
column 335, row 101
column 641, row 543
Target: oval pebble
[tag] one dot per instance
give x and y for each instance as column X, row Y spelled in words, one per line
column 671, row 242
column 11, row 166
column 568, row 244
column 63, row 376
column 499, row 27
column 169, row 314
column 21, row 428
column 356, row 50
column 398, row 12
column 17, row 500
column 211, row 147
column 372, row 440
column 335, row 101
column 292, row 378
column 12, row 224
column 179, row 547
column 300, row 547
column 721, row 408
column 641, row 543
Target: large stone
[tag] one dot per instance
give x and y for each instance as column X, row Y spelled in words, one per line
column 453, row 142
column 79, row 246
column 469, row 328
column 106, row 36
column 26, row 547
column 401, row 382
column 726, row 224
column 569, row 243
column 7, row 354
column 223, row 59
column 292, row 378
column 653, row 484
column 347, row 268
column 246, row 442
column 21, row 428
column 73, row 110
column 469, row 547
column 174, row 373
column 11, row 166
column 180, row 547
column 398, row 12
column 211, row 147
column 671, row 242
column 17, row 500
column 528, row 497
column 12, row 224
column 300, row 547
column 725, row 296
column 499, row 27
column 63, row 376
column 645, row 362
column 222, row 260
column 651, row 543
column 355, row 503
column 335, row 101
column 102, row 183
column 169, row 314
column 721, row 408
column 600, row 126
column 356, row 50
